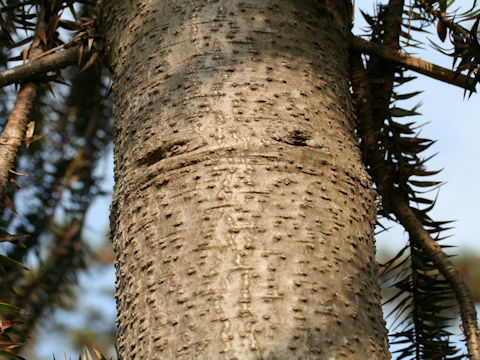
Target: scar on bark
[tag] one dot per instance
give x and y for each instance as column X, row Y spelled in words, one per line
column 294, row 137
column 164, row 151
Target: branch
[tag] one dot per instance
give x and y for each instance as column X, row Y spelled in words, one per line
column 392, row 26
column 412, row 63
column 400, row 207
column 40, row 66
column 404, row 213
column 70, row 243
column 14, row 132
column 441, row 16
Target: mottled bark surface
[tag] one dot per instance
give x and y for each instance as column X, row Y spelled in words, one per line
column 242, row 217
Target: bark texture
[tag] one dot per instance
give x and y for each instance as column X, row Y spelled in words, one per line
column 40, row 66
column 14, row 131
column 242, row 218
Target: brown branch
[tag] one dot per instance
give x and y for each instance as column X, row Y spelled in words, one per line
column 14, row 132
column 70, row 238
column 460, row 33
column 441, row 16
column 400, row 207
column 392, row 24
column 40, row 66
column 410, row 222
column 412, row 63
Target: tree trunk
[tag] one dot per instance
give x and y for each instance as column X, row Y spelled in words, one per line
column 243, row 217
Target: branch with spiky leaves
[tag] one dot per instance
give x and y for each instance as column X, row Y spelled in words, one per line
column 42, row 65
column 443, row 19
column 391, row 158
column 16, row 127
column 392, row 23
column 10, row 140
column 398, row 204
column 465, row 42
column 82, row 122
column 54, row 279
column 64, row 268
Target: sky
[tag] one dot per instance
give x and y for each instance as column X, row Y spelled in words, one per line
column 452, row 121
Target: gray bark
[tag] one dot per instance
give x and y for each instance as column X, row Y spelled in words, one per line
column 242, row 218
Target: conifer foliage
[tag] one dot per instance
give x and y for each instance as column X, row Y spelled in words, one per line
column 52, row 181
column 423, row 280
